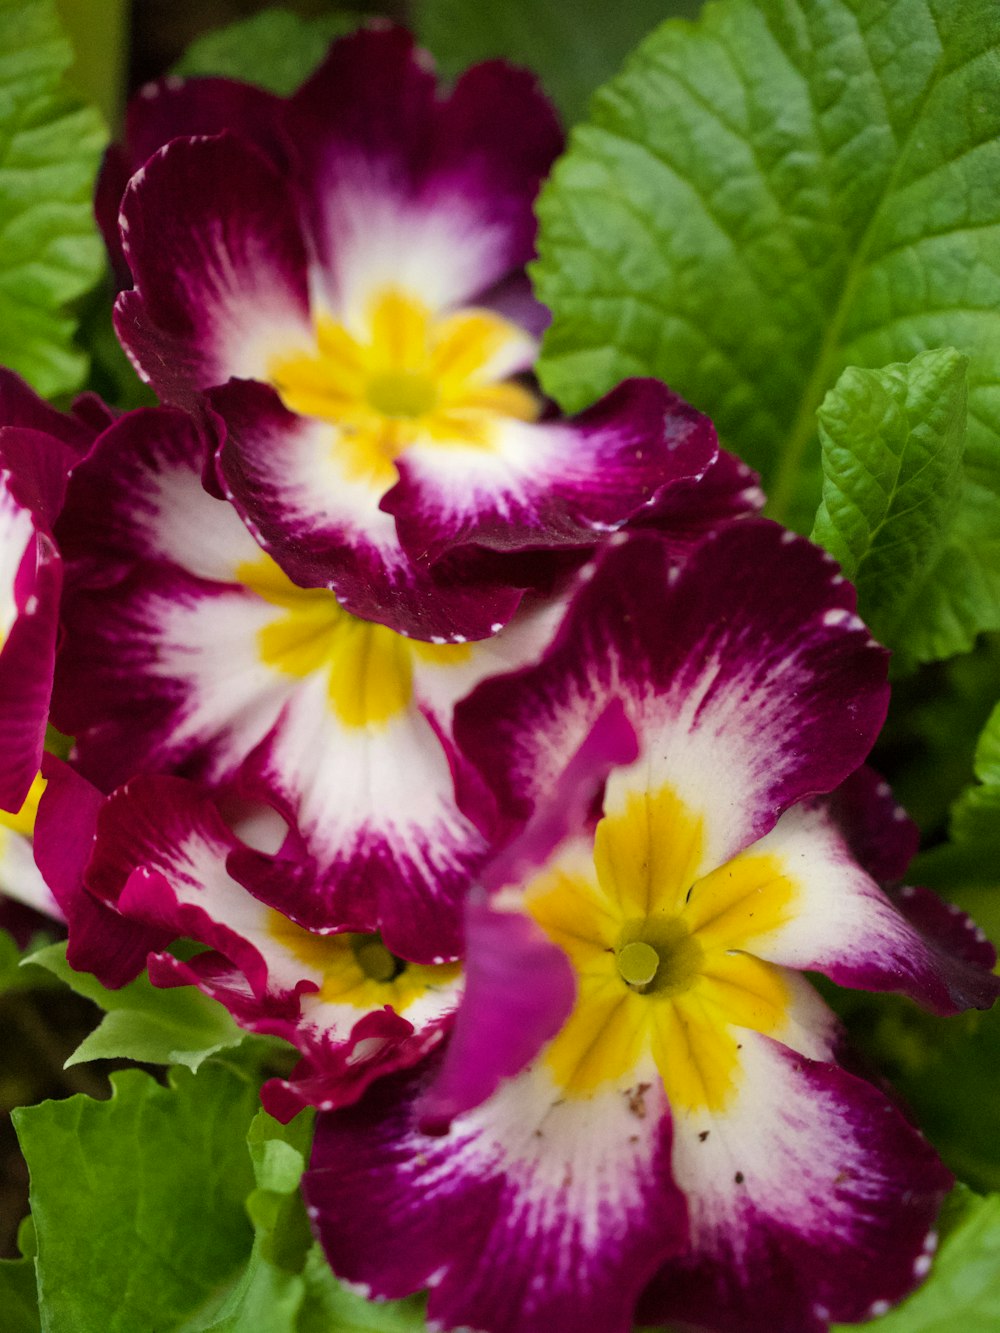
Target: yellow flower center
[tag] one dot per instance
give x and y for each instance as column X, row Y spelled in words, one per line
column 408, row 376
column 662, row 954
column 357, row 969
column 368, row 668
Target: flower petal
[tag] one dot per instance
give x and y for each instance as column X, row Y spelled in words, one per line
column 138, row 496
column 406, row 187
column 219, row 265
column 748, row 678
column 833, row 918
column 811, row 1200
column 173, row 108
column 324, row 527
column 528, row 1216
column 551, row 483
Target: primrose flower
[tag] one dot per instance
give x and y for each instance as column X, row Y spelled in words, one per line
column 353, row 307
column 38, row 447
column 652, row 1120
column 156, row 864
column 187, row 650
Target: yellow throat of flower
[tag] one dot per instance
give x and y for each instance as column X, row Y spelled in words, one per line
column 368, row 668
column 662, row 954
column 410, row 376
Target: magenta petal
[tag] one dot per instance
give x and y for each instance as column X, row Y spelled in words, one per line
column 514, row 1231
column 882, row 837
column 389, row 166
column 962, row 958
column 332, row 1075
column 219, row 265
column 174, row 109
column 827, row 1218
column 519, row 991
column 272, row 463
column 747, row 676
column 101, row 941
column 21, row 406
column 555, row 483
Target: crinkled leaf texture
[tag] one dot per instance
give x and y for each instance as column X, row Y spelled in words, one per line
column 138, row 1201
column 178, row 1208
column 573, row 45
column 275, row 49
column 892, row 443
column 963, row 1290
column 142, row 1022
column 50, row 145
column 784, row 189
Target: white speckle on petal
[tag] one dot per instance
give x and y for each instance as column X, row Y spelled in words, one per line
column 878, row 1308
column 837, row 616
column 922, row 1265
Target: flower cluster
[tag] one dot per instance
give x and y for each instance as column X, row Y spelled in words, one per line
column 509, row 766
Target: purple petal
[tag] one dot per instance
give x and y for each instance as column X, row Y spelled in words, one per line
column 219, row 265
column 811, row 1201
column 552, row 483
column 527, row 1217
column 407, row 187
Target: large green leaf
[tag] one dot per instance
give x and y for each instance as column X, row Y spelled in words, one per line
column 573, row 45
column 963, row 1291
column 784, row 189
column 275, row 49
column 145, row 1023
column 138, row 1202
column 49, row 150
column 892, row 443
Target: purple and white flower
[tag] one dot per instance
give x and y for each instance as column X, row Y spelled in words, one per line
column 345, row 285
column 653, row 1119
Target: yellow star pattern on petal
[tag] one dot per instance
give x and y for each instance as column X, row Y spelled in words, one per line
column 660, row 953
column 412, row 375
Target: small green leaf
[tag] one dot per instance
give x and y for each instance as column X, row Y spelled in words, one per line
column 138, row 1202
column 892, row 444
column 963, row 1290
column 784, row 189
column 275, row 49
column 573, row 45
column 50, row 146
column 143, row 1022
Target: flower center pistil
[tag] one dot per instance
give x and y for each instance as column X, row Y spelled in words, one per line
column 374, row 958
column 402, row 393
column 659, row 956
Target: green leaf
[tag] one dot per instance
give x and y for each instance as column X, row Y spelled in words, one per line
column 784, row 189
column 275, row 49
column 19, row 1296
column 50, row 146
column 573, row 45
column 892, row 444
column 967, row 867
column 142, row 1022
column 138, row 1201
column 963, row 1290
